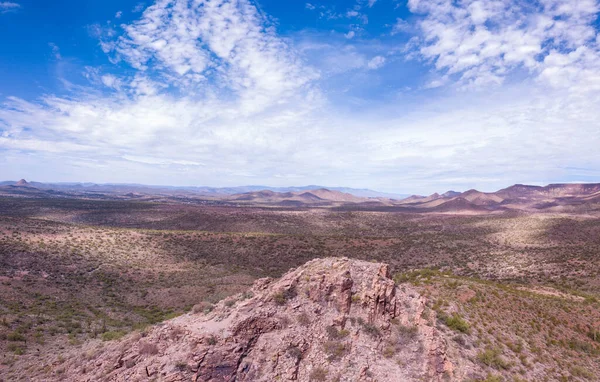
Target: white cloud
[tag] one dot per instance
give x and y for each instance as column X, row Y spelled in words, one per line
column 7, row 6
column 241, row 93
column 160, row 161
column 55, row 50
column 138, row 7
column 483, row 41
column 118, row 15
column 111, row 81
column 400, row 26
column 217, row 97
column 310, row 6
column 350, row 35
column 376, row 62
column 226, row 41
column 371, row 3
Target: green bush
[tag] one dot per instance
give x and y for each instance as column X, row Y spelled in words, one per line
column 112, row 335
column 491, row 357
column 456, row 322
column 16, row 336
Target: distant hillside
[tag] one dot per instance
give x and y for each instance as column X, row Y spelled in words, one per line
column 555, row 198
column 551, row 198
column 151, row 189
column 320, row 196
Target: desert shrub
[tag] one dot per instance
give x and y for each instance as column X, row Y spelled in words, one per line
column 594, row 334
column 318, row 374
column 15, row 336
column 303, row 319
column 112, row 335
column 246, row 295
column 406, row 333
column 148, row 348
column 284, row 321
column 294, row 352
column 203, row 307
column 456, row 322
column 230, row 302
column 580, row 372
column 283, row 296
column 491, row 357
column 371, row 330
column 212, row 340
column 459, row 339
column 181, row 365
column 491, row 378
column 335, row 349
column 582, row 346
column 389, row 351
column 415, row 277
column 176, row 332
column 334, row 334
column 17, row 349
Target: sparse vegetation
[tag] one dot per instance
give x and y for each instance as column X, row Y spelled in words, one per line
column 318, row 374
column 492, row 357
column 282, row 297
column 526, row 286
column 455, row 322
column 371, row 330
column 148, row 348
column 112, row 335
column 335, row 350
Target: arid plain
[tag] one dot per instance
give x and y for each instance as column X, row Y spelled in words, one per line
column 511, row 278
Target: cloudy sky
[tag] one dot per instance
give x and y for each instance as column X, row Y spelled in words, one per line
column 402, row 96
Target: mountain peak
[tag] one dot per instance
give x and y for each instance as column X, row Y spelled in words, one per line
column 22, row 183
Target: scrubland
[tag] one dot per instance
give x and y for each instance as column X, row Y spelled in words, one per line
column 519, row 290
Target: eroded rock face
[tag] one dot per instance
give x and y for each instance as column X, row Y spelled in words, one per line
column 331, row 319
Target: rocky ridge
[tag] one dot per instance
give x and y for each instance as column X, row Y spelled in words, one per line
column 330, row 319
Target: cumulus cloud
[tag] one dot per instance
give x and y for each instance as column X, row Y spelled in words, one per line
column 213, row 95
column 190, row 43
column 242, row 91
column 483, row 41
column 376, row 62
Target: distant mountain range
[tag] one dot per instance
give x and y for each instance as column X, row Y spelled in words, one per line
column 552, row 198
column 144, row 189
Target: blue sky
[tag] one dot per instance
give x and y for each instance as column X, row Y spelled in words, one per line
column 403, row 96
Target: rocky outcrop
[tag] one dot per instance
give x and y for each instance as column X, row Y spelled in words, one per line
column 331, row 319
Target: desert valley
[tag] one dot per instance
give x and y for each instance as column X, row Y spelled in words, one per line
column 311, row 191
column 129, row 282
